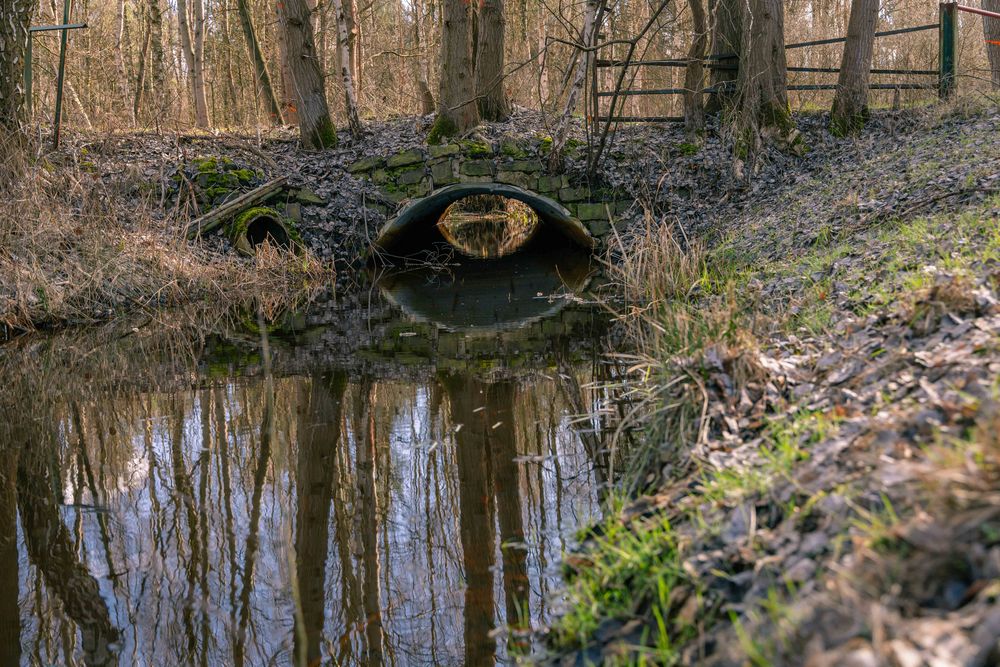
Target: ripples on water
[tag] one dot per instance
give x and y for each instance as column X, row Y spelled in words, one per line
column 401, row 504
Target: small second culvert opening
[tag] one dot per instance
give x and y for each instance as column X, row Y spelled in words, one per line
column 488, row 226
column 267, row 229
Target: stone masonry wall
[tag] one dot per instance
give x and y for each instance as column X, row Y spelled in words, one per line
column 417, row 172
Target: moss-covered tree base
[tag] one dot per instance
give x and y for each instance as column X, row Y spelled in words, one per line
column 442, row 128
column 324, row 135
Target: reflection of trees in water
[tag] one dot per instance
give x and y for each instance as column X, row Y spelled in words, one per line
column 488, row 225
column 180, row 505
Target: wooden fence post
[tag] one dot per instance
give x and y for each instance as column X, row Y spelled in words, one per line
column 948, row 49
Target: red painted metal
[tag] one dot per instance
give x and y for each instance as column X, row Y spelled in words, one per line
column 976, row 10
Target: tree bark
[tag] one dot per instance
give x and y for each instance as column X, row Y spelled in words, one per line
column 491, row 94
column 122, row 72
column 726, row 37
column 315, row 488
column 194, row 56
column 762, row 109
column 694, row 76
column 457, row 111
column 158, row 70
column 991, row 31
column 850, row 103
column 265, row 90
column 561, row 133
column 420, row 64
column 315, row 126
column 347, row 76
column 15, row 19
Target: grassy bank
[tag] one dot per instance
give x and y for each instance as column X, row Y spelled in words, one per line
column 78, row 249
column 819, row 480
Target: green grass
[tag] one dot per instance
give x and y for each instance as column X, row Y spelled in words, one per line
column 634, row 571
column 692, row 301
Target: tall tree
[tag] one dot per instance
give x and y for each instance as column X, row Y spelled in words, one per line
column 419, row 63
column 726, row 35
column 193, row 47
column 265, row 89
column 561, row 132
column 346, row 74
column 15, row 19
column 315, row 126
column 850, row 103
column 694, row 76
column 762, row 109
column 491, row 95
column 157, row 64
column 457, row 110
column 991, row 31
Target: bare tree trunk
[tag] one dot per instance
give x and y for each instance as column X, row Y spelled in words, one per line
column 265, row 89
column 200, row 103
column 158, row 68
column 490, row 91
column 694, row 76
column 726, row 35
column 15, row 19
column 457, row 111
column 344, row 50
column 315, row 126
column 850, row 104
column 762, row 110
column 353, row 41
column 123, row 77
column 991, row 31
column 420, row 65
column 140, row 75
column 193, row 50
column 561, row 133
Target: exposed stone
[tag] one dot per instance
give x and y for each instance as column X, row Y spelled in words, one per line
column 412, row 176
column 441, row 151
column 598, row 227
column 405, row 158
column 574, row 194
column 307, row 196
column 551, row 183
column 366, row 164
column 478, row 168
column 518, row 178
column 591, row 211
column 443, row 173
column 527, row 166
column 420, row 189
column 475, row 179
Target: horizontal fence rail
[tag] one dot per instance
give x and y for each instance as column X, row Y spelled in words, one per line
column 947, row 34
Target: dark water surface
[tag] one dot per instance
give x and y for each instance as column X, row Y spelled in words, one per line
column 397, row 490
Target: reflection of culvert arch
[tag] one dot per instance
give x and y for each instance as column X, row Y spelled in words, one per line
column 417, row 221
column 490, row 295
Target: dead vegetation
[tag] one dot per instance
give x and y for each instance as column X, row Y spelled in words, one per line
column 818, row 456
column 74, row 251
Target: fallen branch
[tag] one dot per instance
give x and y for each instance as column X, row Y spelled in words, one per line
column 216, row 216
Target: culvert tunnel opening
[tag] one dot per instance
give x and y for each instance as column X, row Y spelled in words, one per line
column 481, row 221
column 266, row 229
column 488, row 226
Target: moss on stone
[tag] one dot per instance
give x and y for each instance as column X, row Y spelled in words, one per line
column 475, row 149
column 511, row 149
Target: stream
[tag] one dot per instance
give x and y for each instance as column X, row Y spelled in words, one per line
column 385, row 480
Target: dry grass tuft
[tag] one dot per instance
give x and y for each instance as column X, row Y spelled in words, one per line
column 74, row 250
column 955, row 296
column 692, row 345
